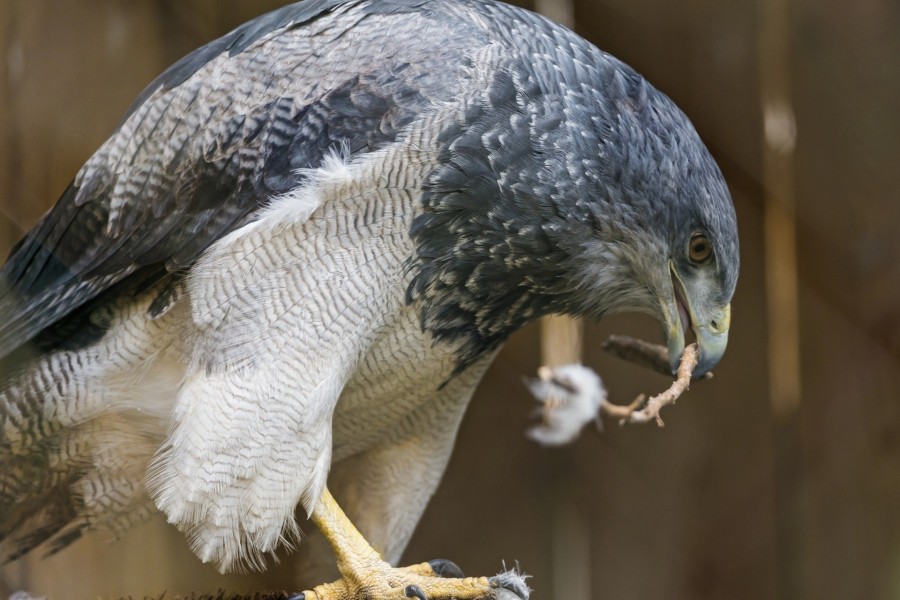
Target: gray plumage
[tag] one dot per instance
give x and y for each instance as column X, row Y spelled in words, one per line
column 301, row 248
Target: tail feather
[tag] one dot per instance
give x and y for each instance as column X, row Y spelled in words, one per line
column 38, row 521
column 89, row 477
column 115, row 522
column 78, row 427
column 36, row 499
column 27, row 485
column 46, row 399
column 50, row 441
column 65, row 538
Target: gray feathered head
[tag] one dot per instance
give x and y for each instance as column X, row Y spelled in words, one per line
column 573, row 186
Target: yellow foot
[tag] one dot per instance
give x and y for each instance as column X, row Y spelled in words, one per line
column 366, row 576
column 435, row 580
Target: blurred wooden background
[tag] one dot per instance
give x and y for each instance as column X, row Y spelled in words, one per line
column 734, row 498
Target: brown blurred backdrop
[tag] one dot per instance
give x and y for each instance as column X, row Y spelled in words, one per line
column 776, row 480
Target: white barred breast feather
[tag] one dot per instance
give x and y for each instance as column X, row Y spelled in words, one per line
column 281, row 314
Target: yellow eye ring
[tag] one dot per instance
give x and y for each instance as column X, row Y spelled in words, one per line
column 699, row 248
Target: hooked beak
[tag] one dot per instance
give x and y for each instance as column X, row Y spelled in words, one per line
column 710, row 326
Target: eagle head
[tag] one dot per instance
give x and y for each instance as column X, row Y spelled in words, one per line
column 583, row 192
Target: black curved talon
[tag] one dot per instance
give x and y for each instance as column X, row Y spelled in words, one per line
column 414, row 591
column 446, row 568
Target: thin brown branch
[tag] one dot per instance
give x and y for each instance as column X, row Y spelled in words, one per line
column 645, row 354
column 643, row 412
column 641, row 353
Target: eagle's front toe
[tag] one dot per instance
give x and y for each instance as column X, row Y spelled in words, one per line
column 422, row 582
column 446, row 568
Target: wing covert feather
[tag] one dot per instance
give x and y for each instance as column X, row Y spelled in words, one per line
column 209, row 143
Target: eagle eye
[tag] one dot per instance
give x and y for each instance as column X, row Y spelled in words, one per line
column 699, row 249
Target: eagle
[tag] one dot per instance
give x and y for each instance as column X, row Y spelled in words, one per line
column 271, row 292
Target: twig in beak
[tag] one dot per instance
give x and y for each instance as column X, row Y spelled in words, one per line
column 642, row 412
column 644, row 354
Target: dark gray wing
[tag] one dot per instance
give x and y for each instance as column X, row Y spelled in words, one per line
column 205, row 146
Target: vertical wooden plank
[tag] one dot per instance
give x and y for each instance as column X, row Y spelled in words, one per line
column 561, row 340
column 779, row 139
column 15, row 19
column 781, row 248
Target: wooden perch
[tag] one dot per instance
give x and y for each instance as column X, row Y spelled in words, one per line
column 220, row 595
column 223, row 595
